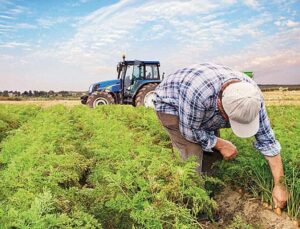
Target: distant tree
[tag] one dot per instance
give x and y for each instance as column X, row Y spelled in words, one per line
column 43, row 94
column 25, row 93
column 51, row 93
column 5, row 93
column 64, row 93
column 30, row 93
column 36, row 93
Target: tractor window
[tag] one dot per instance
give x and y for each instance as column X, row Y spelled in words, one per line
column 128, row 77
column 133, row 73
column 151, row 72
column 138, row 72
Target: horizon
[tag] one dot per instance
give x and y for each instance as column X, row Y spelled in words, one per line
column 68, row 45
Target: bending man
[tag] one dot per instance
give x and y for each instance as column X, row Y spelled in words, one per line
column 195, row 102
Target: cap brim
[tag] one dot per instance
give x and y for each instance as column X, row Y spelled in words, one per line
column 245, row 130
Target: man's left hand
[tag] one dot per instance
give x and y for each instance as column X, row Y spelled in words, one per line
column 280, row 196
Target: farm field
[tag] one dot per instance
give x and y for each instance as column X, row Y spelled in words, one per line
column 112, row 167
column 271, row 98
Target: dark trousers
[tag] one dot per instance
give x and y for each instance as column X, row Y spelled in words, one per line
column 186, row 148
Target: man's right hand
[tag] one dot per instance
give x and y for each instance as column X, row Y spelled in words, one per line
column 226, row 148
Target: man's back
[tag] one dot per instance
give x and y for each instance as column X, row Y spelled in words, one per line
column 197, row 85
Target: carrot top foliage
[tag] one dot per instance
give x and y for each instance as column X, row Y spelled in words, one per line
column 110, row 167
column 113, row 167
column 251, row 171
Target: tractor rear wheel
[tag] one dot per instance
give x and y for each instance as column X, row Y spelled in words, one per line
column 100, row 98
column 145, row 95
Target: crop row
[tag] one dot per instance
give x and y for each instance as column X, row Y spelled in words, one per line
column 12, row 117
column 110, row 167
column 113, row 167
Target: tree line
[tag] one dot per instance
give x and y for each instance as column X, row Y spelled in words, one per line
column 35, row 93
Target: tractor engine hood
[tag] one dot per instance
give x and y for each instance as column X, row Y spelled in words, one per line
column 110, row 85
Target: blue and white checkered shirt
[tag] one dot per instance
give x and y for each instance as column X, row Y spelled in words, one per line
column 191, row 94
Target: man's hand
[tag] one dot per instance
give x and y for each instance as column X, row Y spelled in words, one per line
column 226, row 148
column 280, row 196
column 279, row 193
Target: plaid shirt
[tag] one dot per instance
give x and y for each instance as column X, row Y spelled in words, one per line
column 191, row 94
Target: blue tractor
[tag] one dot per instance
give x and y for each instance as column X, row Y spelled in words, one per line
column 135, row 85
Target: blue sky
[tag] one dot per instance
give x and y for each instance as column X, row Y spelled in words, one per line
column 67, row 45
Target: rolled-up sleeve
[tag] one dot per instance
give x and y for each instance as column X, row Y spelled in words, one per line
column 266, row 142
column 191, row 115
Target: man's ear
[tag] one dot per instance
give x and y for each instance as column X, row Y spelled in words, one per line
column 219, row 103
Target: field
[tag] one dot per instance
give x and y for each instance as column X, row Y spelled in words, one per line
column 113, row 167
column 276, row 97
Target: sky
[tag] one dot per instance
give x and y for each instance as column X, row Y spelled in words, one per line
column 68, row 45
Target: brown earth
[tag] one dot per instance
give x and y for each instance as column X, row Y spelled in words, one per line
column 232, row 203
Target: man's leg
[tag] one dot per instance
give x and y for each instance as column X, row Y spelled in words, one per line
column 209, row 158
column 185, row 147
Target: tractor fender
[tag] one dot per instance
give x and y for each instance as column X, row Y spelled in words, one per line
column 142, row 85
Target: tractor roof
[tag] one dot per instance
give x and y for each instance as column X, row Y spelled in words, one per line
column 131, row 62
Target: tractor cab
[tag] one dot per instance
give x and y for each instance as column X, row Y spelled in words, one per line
column 135, row 74
column 135, row 85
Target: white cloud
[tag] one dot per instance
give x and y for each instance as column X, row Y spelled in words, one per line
column 291, row 23
column 252, row 3
column 270, row 58
column 278, row 23
column 6, row 17
column 49, row 22
column 14, row 45
column 25, row 26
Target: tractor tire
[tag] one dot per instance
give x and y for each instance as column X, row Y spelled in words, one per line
column 100, row 98
column 145, row 95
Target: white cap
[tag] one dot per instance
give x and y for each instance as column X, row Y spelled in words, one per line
column 242, row 102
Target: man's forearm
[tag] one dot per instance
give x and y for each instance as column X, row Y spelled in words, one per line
column 276, row 167
column 280, row 194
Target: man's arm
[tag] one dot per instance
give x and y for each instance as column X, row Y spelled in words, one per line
column 280, row 194
column 267, row 144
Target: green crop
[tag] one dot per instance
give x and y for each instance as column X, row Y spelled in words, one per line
column 114, row 167
column 251, row 171
column 12, row 117
column 110, row 167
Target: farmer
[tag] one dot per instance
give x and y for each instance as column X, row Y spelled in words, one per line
column 194, row 102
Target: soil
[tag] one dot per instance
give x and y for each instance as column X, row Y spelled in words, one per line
column 252, row 211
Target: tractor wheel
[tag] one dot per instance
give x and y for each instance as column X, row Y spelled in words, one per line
column 100, row 98
column 145, row 95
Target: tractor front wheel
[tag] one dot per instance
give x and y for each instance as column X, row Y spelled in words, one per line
column 145, row 95
column 100, row 98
